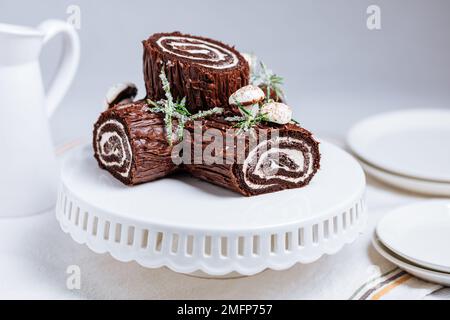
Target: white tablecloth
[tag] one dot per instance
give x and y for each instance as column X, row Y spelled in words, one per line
column 35, row 255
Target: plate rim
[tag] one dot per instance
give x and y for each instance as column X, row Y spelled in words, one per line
column 418, row 262
column 397, row 174
column 421, row 187
column 353, row 147
column 400, row 262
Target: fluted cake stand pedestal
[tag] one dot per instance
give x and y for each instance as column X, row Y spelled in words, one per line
column 197, row 228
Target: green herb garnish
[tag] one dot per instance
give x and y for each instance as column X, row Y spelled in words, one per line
column 176, row 109
column 248, row 120
column 272, row 82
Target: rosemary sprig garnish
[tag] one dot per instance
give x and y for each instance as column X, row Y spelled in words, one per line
column 166, row 106
column 247, row 120
column 206, row 113
column 265, row 77
column 176, row 109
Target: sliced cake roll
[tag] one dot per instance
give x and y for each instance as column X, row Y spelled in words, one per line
column 265, row 159
column 203, row 70
column 131, row 143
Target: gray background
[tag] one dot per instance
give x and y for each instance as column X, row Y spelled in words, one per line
column 336, row 70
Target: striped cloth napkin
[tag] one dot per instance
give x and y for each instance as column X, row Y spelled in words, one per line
column 395, row 284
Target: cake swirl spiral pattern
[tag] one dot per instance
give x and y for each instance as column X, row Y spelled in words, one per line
column 130, row 143
column 205, row 53
column 280, row 162
column 286, row 157
column 114, row 150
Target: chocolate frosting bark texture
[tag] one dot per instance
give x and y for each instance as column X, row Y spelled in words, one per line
column 203, row 70
column 130, row 142
column 281, row 157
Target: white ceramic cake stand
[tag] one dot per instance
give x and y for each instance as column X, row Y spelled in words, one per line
column 197, row 228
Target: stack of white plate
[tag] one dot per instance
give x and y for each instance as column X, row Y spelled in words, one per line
column 417, row 239
column 407, row 149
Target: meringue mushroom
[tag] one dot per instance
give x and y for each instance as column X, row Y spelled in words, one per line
column 121, row 93
column 277, row 112
column 248, row 97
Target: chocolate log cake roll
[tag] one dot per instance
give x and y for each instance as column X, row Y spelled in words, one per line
column 130, row 142
column 281, row 157
column 203, row 70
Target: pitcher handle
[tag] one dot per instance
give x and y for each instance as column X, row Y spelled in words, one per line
column 68, row 64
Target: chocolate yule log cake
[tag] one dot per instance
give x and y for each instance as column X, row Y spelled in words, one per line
column 272, row 158
column 130, row 142
column 200, row 115
column 203, row 70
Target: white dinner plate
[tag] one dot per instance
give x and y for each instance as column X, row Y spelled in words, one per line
column 412, row 143
column 428, row 187
column 422, row 273
column 420, row 233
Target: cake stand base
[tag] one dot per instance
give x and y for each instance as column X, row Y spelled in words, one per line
column 196, row 228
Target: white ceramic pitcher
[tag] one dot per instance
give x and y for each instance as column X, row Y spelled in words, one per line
column 28, row 168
